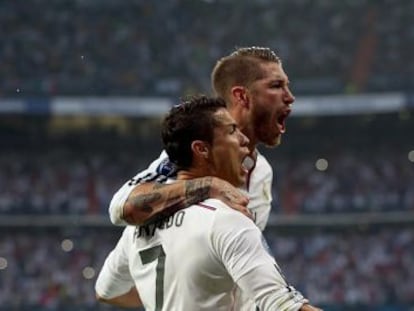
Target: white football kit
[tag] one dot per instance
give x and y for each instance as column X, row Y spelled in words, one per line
column 258, row 189
column 193, row 259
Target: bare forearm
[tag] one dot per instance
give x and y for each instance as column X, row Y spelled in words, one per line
column 150, row 201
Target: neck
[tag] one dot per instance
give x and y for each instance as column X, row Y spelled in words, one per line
column 247, row 130
column 252, row 147
column 245, row 126
column 190, row 174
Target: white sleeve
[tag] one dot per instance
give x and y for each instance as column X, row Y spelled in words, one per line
column 153, row 172
column 115, row 279
column 241, row 247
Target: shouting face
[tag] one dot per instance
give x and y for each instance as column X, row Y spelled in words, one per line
column 270, row 100
column 228, row 150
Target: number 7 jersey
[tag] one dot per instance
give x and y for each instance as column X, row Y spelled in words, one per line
column 193, row 261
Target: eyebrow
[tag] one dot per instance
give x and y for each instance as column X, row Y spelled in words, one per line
column 232, row 126
column 228, row 124
column 279, row 77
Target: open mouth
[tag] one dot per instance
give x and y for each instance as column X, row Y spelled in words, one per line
column 281, row 122
column 247, row 163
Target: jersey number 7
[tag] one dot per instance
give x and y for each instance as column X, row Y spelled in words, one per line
column 149, row 255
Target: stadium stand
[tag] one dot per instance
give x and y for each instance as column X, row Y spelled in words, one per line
column 369, row 269
column 342, row 226
column 101, row 47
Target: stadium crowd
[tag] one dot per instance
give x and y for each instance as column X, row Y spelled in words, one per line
column 348, row 269
column 352, row 182
column 66, row 182
column 167, row 48
column 102, row 47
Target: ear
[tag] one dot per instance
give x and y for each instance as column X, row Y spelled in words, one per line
column 200, row 149
column 240, row 96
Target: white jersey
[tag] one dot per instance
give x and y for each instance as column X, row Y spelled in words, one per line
column 193, row 260
column 259, row 191
column 259, row 184
column 258, row 188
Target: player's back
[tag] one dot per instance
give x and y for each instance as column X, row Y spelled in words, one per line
column 176, row 265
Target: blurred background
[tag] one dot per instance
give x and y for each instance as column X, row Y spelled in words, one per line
column 84, row 84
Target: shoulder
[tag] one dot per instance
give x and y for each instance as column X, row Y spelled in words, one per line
column 232, row 233
column 208, row 208
column 125, row 240
column 261, row 173
column 262, row 164
column 128, row 233
column 213, row 204
column 225, row 217
column 218, row 213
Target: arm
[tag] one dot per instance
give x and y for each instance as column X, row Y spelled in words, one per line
column 240, row 246
column 114, row 284
column 129, row 300
column 157, row 169
column 151, row 201
column 141, row 200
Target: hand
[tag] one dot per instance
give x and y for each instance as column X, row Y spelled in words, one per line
column 230, row 195
column 308, row 307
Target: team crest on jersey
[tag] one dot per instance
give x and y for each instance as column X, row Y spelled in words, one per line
column 166, row 168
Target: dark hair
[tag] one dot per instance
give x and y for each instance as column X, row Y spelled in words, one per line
column 241, row 67
column 191, row 120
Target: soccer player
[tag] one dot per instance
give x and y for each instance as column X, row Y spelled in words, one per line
column 255, row 87
column 192, row 259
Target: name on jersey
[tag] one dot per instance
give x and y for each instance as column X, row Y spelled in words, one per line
column 175, row 220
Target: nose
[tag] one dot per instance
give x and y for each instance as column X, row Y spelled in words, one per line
column 288, row 96
column 244, row 140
